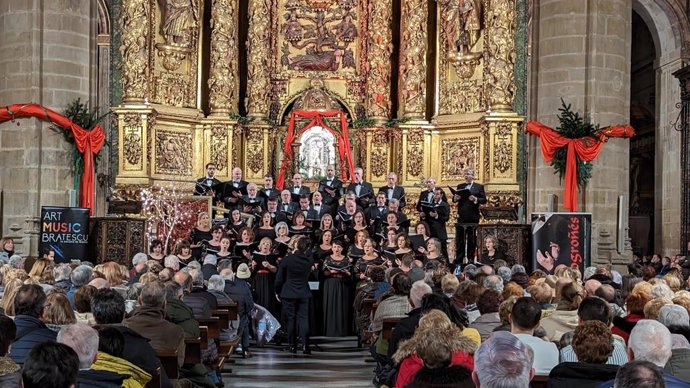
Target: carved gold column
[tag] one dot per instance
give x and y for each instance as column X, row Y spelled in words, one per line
column 134, row 48
column 500, row 55
column 258, row 47
column 134, row 128
column 257, row 152
column 413, row 48
column 222, row 82
column 379, row 75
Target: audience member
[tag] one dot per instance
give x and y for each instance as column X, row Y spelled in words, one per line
column 405, row 329
column 639, row 374
column 50, row 365
column 111, row 344
column 83, row 339
column 524, row 319
column 564, row 318
column 503, row 361
column 79, row 277
column 487, row 303
column 29, row 307
column 10, row 371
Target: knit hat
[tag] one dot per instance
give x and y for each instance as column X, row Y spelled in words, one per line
column 243, row 271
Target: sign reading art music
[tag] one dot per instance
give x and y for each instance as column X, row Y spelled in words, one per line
column 65, row 230
column 561, row 238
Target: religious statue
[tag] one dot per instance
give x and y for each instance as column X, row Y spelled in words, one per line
column 180, row 17
column 346, row 30
column 462, row 23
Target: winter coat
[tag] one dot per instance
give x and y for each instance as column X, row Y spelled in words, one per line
column 580, row 375
column 10, row 373
column 679, row 364
column 99, row 379
column 30, row 332
column 180, row 314
column 135, row 377
column 149, row 322
column 410, row 363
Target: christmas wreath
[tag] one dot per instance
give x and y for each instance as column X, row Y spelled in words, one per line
column 573, row 126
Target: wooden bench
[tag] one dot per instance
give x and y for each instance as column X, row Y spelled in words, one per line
column 223, row 316
column 155, row 381
column 232, row 308
column 192, row 352
column 212, row 325
column 168, row 358
column 388, row 326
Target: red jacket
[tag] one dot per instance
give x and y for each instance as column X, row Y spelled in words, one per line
column 412, row 364
column 623, row 326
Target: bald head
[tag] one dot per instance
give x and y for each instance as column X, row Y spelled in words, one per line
column 591, row 286
column 184, row 280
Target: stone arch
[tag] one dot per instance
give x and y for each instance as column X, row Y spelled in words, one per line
column 103, row 18
column 670, row 29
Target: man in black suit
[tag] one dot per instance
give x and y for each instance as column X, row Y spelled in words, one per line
column 253, row 203
column 297, row 189
column 437, row 218
column 363, row 190
column 233, row 189
column 468, row 213
column 272, row 209
column 268, row 191
column 317, row 208
column 393, row 191
column 292, row 288
column 286, row 206
column 428, row 194
column 377, row 211
column 204, row 186
column 331, row 188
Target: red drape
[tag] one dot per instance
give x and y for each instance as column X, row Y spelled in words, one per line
column 89, row 142
column 344, row 147
column 587, row 149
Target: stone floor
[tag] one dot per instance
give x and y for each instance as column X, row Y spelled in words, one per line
column 334, row 363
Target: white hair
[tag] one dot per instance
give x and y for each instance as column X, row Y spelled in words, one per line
column 194, row 264
column 139, row 258
column 62, row 272
column 589, row 272
column 417, row 292
column 83, row 339
column 651, row 341
column 216, row 283
column 661, row 290
column 15, row 261
column 172, row 262
column 674, row 315
column 503, row 361
column 81, row 275
column 504, row 273
column 517, row 268
column 493, row 282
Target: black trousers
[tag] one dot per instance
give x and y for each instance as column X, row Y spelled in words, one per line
column 296, row 312
column 465, row 236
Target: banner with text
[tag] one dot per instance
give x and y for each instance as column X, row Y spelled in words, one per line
column 65, row 230
column 561, row 238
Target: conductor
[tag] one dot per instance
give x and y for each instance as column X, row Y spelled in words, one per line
column 292, row 289
column 469, row 196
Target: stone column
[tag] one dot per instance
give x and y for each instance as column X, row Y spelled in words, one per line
column 499, row 52
column 258, row 47
column 223, row 77
column 413, row 49
column 134, row 49
column 379, row 77
column 48, row 51
column 582, row 56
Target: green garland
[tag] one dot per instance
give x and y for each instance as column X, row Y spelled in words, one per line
column 573, row 126
column 80, row 114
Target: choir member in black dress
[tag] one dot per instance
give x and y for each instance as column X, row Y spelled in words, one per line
column 491, row 253
column 156, row 251
column 183, row 251
column 292, row 288
column 356, row 250
column 282, row 232
column 264, row 267
column 326, row 224
column 298, row 224
column 391, row 242
column 336, row 294
column 323, row 250
column 213, row 245
column 243, row 248
column 403, row 245
column 235, row 223
column 200, row 232
column 359, row 223
column 369, row 258
column 434, row 253
column 224, row 252
column 265, row 228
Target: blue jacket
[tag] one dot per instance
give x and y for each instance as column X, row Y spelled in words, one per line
column 30, row 332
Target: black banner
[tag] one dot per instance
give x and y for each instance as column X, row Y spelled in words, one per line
column 561, row 238
column 65, row 230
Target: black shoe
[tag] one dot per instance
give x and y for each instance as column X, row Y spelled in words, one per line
column 306, row 350
column 290, row 349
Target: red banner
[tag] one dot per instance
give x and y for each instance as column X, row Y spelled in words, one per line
column 88, row 142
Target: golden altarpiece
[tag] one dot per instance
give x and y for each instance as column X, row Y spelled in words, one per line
column 428, row 87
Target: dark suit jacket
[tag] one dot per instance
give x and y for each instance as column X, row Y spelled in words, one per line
column 225, row 193
column 292, row 207
column 424, row 196
column 293, row 275
column 258, row 204
column 398, row 193
column 468, row 211
column 313, row 214
column 438, row 225
column 201, row 187
column 372, row 213
column 336, row 185
column 275, row 193
column 303, row 190
column 366, row 188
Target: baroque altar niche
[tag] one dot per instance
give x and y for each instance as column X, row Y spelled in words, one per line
column 316, row 152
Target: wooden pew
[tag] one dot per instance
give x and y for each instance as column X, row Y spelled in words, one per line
column 388, row 326
column 155, row 379
column 192, row 353
column 232, row 308
column 223, row 316
column 168, row 359
column 213, row 326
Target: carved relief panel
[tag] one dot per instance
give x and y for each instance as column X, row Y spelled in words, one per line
column 174, row 53
column 134, row 125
